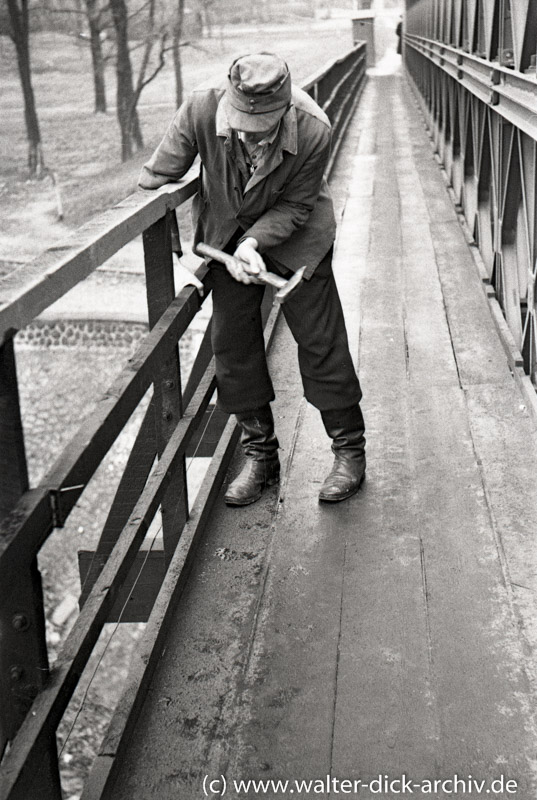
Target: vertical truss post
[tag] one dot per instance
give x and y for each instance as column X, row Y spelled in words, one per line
column 160, row 287
column 13, row 470
column 23, row 649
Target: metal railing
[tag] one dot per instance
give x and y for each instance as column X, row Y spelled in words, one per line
column 473, row 65
column 33, row 696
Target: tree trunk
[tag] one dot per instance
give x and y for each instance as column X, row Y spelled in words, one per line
column 176, row 50
column 18, row 16
column 131, row 136
column 97, row 59
column 136, row 130
column 207, row 19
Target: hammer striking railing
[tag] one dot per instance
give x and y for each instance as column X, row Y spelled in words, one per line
column 34, row 696
column 473, row 65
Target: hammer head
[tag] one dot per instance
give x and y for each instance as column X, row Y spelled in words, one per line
column 290, row 287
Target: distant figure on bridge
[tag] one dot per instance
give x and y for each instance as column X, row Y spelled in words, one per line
column 264, row 145
column 399, row 34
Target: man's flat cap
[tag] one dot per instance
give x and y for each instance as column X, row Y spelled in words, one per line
column 258, row 92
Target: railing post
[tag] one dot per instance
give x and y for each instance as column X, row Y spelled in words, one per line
column 160, row 287
column 13, row 470
column 23, row 649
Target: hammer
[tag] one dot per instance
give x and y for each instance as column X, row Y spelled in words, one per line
column 285, row 287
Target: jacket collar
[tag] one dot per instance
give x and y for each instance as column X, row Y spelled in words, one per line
column 287, row 132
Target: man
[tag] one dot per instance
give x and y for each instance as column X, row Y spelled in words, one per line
column 399, row 33
column 264, row 145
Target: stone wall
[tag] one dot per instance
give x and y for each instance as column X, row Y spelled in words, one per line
column 91, row 333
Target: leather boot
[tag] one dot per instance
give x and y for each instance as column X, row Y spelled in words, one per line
column 262, row 467
column 346, row 429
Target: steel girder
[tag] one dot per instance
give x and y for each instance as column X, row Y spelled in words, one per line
column 473, row 63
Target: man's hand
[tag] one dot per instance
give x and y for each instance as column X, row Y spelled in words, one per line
column 184, row 275
column 250, row 262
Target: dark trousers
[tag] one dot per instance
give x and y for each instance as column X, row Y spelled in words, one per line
column 315, row 318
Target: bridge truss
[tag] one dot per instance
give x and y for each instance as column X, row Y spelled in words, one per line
column 473, row 65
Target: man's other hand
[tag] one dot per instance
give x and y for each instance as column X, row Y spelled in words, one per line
column 250, row 263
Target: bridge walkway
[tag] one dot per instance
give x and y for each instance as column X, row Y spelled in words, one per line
column 393, row 633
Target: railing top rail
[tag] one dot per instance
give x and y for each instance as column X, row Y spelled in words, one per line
column 29, row 290
column 328, row 67
column 527, row 78
column 512, row 94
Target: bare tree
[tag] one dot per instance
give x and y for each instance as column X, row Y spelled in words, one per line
column 207, row 17
column 176, row 51
column 131, row 136
column 127, row 93
column 95, row 24
column 20, row 35
column 75, row 14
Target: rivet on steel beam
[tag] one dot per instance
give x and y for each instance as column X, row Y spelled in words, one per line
column 20, row 622
column 167, row 416
column 16, row 673
column 170, row 384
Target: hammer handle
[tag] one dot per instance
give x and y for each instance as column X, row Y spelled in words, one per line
column 225, row 258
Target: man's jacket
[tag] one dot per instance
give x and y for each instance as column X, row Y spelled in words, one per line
column 285, row 204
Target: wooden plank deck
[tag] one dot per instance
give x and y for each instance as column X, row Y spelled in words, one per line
column 393, row 634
